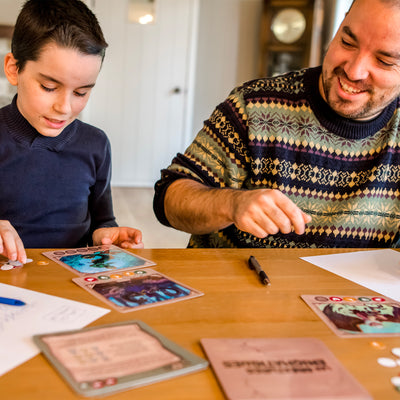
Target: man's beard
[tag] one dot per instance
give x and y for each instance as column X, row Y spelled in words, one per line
column 340, row 105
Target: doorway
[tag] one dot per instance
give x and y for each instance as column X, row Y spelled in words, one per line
column 144, row 94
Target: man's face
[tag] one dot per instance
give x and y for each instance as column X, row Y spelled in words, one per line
column 53, row 90
column 361, row 70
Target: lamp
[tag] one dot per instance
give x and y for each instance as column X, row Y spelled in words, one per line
column 142, row 11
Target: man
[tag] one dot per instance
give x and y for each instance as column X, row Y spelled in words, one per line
column 307, row 159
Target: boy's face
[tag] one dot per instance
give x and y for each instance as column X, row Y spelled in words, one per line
column 53, row 90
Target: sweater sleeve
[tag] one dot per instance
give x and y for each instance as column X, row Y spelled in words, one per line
column 217, row 157
column 100, row 202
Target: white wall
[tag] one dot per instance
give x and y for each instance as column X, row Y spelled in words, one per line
column 227, row 53
column 141, row 95
column 9, row 10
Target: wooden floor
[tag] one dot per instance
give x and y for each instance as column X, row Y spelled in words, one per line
column 134, row 207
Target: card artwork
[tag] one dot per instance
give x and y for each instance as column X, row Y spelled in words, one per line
column 354, row 316
column 95, row 259
column 132, row 289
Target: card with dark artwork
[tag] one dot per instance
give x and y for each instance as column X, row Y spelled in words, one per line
column 135, row 289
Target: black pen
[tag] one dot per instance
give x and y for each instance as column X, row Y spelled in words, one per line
column 253, row 264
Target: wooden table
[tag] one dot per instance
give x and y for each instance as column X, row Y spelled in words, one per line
column 235, row 304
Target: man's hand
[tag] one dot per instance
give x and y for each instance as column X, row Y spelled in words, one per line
column 127, row 238
column 192, row 207
column 264, row 212
column 11, row 245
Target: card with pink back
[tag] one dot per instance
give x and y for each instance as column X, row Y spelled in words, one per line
column 280, row 368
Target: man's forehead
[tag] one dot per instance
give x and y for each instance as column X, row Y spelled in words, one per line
column 361, row 23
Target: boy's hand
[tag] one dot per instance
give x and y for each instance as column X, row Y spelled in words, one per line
column 11, row 245
column 127, row 238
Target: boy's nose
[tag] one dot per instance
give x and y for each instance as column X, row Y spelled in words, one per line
column 62, row 104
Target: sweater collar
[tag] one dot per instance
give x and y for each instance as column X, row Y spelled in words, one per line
column 23, row 132
column 344, row 127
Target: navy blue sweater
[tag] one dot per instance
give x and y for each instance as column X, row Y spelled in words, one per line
column 54, row 191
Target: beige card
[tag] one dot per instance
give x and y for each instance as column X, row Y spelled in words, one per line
column 110, row 358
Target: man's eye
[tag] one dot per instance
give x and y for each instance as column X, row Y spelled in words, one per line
column 80, row 94
column 346, row 43
column 384, row 63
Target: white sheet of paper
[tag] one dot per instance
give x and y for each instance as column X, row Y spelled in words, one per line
column 42, row 313
column 378, row 270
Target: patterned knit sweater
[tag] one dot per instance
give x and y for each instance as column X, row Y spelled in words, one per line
column 279, row 133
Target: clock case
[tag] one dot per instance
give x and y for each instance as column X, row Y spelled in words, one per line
column 277, row 57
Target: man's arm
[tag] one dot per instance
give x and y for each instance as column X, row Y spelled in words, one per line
column 197, row 209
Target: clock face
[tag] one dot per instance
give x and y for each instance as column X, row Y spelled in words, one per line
column 288, row 25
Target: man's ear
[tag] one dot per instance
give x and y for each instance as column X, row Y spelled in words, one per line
column 11, row 69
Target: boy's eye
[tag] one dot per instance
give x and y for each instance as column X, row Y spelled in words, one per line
column 79, row 94
column 47, row 89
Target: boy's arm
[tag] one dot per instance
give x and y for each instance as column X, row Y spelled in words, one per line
column 125, row 237
column 11, row 245
column 104, row 226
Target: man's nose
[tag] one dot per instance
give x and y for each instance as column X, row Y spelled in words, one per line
column 357, row 67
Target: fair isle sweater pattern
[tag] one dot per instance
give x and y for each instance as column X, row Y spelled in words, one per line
column 278, row 133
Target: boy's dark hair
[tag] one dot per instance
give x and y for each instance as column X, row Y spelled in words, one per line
column 68, row 23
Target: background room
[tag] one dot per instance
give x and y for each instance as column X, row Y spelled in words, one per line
column 160, row 80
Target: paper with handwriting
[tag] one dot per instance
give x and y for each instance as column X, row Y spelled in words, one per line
column 378, row 270
column 42, row 313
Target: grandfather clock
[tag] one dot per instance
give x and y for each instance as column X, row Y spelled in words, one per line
column 290, row 35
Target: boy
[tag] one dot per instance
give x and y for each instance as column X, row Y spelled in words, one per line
column 55, row 170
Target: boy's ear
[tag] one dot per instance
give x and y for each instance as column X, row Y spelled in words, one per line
column 11, row 69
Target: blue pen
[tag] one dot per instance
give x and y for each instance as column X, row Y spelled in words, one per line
column 11, row 302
